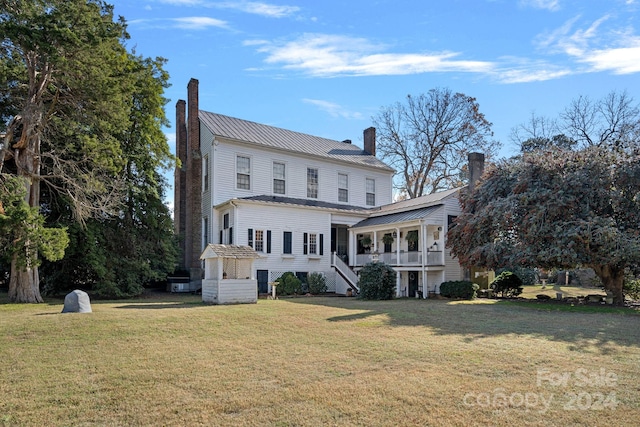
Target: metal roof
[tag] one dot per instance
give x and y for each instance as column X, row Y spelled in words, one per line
column 422, row 201
column 304, row 202
column 397, row 217
column 283, row 139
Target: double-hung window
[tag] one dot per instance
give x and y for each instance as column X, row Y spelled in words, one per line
column 371, row 192
column 205, row 173
column 279, row 183
column 243, row 173
column 259, row 241
column 312, row 183
column 312, row 244
column 343, row 187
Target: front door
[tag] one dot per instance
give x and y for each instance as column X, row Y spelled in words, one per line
column 263, row 281
column 413, row 284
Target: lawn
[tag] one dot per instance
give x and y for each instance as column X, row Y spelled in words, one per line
column 170, row 360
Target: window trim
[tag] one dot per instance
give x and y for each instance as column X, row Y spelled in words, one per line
column 346, row 189
column 287, row 244
column 367, row 192
column 283, row 179
column 205, row 173
column 250, row 174
column 317, row 183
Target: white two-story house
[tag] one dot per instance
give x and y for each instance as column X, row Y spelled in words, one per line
column 303, row 203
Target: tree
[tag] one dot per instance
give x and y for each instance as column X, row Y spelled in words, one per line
column 74, row 108
column 557, row 208
column 427, row 139
column 23, row 233
column 612, row 121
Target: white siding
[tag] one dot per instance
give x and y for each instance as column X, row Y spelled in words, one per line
column 453, row 270
column 224, row 167
column 280, row 219
column 241, row 291
column 206, row 144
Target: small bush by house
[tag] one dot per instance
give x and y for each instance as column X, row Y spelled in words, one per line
column 317, row 283
column 377, row 281
column 459, row 289
column 288, row 284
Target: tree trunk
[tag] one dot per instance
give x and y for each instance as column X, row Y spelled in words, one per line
column 613, row 279
column 24, row 284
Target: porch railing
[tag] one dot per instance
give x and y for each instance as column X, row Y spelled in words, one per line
column 345, row 271
column 434, row 258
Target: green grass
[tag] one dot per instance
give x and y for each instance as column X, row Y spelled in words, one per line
column 172, row 360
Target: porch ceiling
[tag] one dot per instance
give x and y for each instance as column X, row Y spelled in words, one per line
column 398, row 217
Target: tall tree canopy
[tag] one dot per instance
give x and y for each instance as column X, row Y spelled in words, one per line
column 612, row 121
column 558, row 208
column 428, row 137
column 82, row 120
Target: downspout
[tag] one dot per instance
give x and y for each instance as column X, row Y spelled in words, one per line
column 235, row 221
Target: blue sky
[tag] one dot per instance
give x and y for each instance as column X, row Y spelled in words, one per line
column 325, row 67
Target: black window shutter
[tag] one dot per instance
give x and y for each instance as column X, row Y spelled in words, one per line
column 321, row 244
column 250, row 237
column 231, row 235
column 221, row 242
column 268, row 241
column 304, row 244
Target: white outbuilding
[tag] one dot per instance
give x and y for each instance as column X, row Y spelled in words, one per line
column 229, row 274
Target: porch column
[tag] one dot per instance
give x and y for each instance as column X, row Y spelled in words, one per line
column 398, row 284
column 398, row 242
column 423, row 242
column 375, row 241
column 351, row 249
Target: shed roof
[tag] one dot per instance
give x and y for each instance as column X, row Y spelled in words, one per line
column 229, row 251
column 283, row 139
column 418, row 202
column 398, row 217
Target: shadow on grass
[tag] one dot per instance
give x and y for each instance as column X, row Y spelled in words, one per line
column 152, row 301
column 161, row 305
column 588, row 330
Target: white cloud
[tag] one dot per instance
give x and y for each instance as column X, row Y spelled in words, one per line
column 552, row 5
column 259, row 8
column 621, row 60
column 536, row 72
column 603, row 50
column 252, row 7
column 199, row 23
column 334, row 110
column 183, row 2
column 334, row 55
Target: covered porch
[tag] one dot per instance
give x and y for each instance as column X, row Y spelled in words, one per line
column 413, row 245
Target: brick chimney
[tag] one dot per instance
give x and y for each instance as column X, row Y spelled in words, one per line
column 370, row 141
column 180, row 179
column 193, row 209
column 476, row 168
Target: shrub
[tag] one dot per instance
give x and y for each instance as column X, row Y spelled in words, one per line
column 529, row 276
column 377, row 281
column 507, row 284
column 288, row 284
column 317, row 283
column 459, row 289
column 631, row 288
